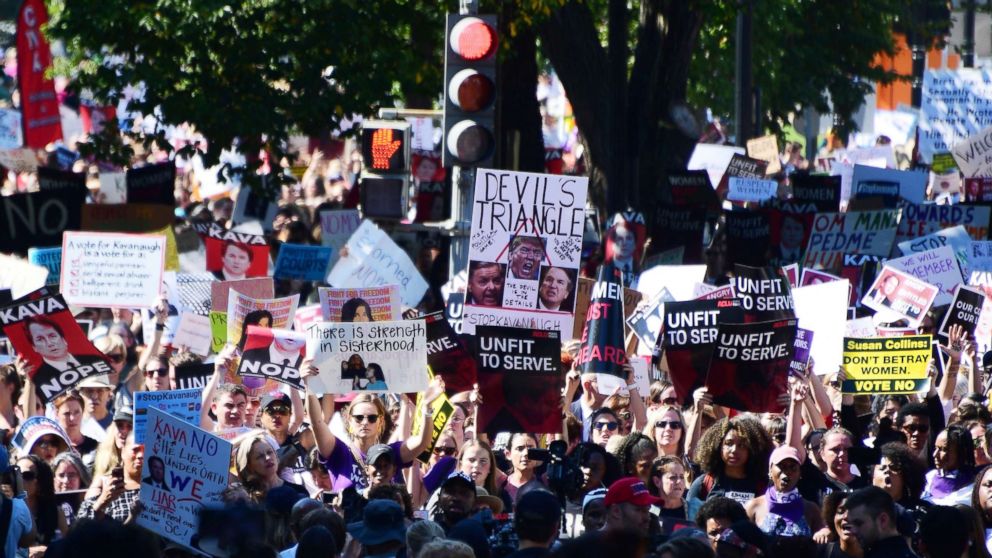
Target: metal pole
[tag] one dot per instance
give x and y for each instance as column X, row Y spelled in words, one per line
column 743, row 103
column 462, row 187
column 968, row 48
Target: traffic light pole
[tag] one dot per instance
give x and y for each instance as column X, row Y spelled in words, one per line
column 462, row 187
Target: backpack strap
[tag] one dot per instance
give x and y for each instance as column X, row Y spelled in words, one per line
column 708, row 482
column 6, row 511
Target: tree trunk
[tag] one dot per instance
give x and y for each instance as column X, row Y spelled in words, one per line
column 518, row 113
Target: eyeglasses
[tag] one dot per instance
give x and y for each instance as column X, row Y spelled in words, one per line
column 47, row 443
column 607, row 425
column 277, row 410
column 921, row 428
column 673, row 424
column 370, row 418
column 160, row 372
column 445, row 450
column 28, row 475
column 670, row 401
column 528, row 252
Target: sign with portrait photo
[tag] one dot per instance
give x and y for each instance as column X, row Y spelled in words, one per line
column 372, row 304
column 234, row 255
column 273, row 354
column 368, row 356
column 901, row 293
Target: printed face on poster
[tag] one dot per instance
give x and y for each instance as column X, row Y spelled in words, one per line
column 935, row 267
column 274, row 354
column 244, row 311
column 524, row 250
column 375, row 304
column 378, row 356
column 233, row 255
column 900, row 293
column 111, row 270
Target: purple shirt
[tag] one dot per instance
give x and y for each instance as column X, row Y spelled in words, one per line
column 345, row 471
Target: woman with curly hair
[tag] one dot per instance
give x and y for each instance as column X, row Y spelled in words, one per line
column 954, row 458
column 635, row 454
column 981, row 501
column 733, row 454
column 900, row 473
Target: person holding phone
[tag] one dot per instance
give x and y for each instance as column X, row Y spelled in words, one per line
column 116, row 494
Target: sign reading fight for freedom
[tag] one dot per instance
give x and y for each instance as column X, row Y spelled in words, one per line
column 886, row 365
column 112, row 270
column 377, row 304
column 859, row 232
column 244, row 311
column 524, row 250
column 374, row 260
column 45, row 333
column 185, row 468
column 519, row 379
column 368, row 356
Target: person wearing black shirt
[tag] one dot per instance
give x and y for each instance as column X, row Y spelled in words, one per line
column 871, row 516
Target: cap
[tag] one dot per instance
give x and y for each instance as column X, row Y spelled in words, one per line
column 98, row 381
column 459, row 477
column 377, row 451
column 281, row 499
column 382, row 521
column 630, row 490
column 592, row 496
column 484, row 498
column 124, row 413
column 270, row 398
column 538, row 506
column 782, row 453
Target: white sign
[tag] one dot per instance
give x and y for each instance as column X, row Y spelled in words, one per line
column 751, row 189
column 955, row 237
column 822, row 309
column 113, row 187
column 112, row 270
column 374, row 260
column 956, row 105
column 19, row 160
column 937, row 267
column 193, row 333
column 713, row 159
column 368, row 356
column 873, row 181
column 974, row 155
column 10, row 129
column 20, row 276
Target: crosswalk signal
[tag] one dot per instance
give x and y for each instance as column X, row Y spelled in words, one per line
column 471, row 42
column 385, row 180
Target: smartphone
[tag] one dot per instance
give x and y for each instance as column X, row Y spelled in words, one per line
column 329, row 498
column 117, row 473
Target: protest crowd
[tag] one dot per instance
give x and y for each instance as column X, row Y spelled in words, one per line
column 784, row 358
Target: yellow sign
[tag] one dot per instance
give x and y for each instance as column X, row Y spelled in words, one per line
column 886, row 364
column 218, row 330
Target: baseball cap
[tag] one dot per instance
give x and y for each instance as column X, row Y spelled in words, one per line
column 782, row 453
column 98, row 381
column 382, row 521
column 377, row 451
column 592, row 496
column 459, row 477
column 538, row 506
column 270, row 398
column 629, row 490
column 124, row 413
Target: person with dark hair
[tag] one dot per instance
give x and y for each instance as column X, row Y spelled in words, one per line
column 981, row 502
column 834, row 541
column 628, row 504
column 39, row 491
column 976, row 532
column 781, row 510
column 331, row 521
column 635, row 455
column 599, row 470
column 48, row 340
column 871, row 516
column 374, row 379
column 299, row 510
column 485, row 284
column 901, row 474
column 235, row 260
column 684, row 547
column 604, row 425
column 733, row 454
column 536, row 520
column 316, row 542
column 356, row 310
column 261, row 318
column 943, row 533
column 954, row 455
column 668, row 483
column 717, row 515
column 920, row 423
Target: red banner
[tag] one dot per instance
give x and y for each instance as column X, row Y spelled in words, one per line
column 39, row 106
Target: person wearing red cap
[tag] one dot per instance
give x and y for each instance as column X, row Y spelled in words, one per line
column 628, row 504
column 781, row 510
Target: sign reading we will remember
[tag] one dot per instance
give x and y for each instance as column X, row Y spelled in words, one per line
column 112, row 270
column 185, row 468
column 886, row 365
column 374, row 260
column 858, row 232
column 524, row 250
column 936, row 267
column 750, row 366
column 368, row 356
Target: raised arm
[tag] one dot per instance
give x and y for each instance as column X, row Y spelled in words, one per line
column 637, row 409
column 161, row 315
column 794, row 421
column 297, row 403
column 224, row 361
column 415, row 445
column 321, row 432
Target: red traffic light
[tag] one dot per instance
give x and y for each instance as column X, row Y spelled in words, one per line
column 473, row 39
column 471, row 91
column 469, row 142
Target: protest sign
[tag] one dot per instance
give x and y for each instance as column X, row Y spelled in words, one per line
column 680, row 280
column 233, row 255
column 814, row 277
column 922, row 219
column 788, row 233
column 374, row 260
column 244, row 311
column 751, row 189
column 602, row 342
column 44, row 332
column 300, row 261
column 822, row 309
column 112, row 270
column 965, row 310
column 306, row 316
column 974, row 154
column 765, row 149
column 51, row 179
column 679, row 227
column 21, row 277
column 256, row 287
column 32, row 429
column 253, row 207
column 453, row 312
column 886, row 365
column 38, row 219
column 946, row 184
column 800, row 352
column 113, row 188
column 19, row 160
column 50, row 259
column 691, row 189
column 624, row 243
column 520, row 379
column 764, row 292
column 631, row 299
column 194, row 292
column 273, row 354
column 368, row 356
column 818, row 189
column 442, row 413
column 980, row 263
column 183, row 404
column 375, row 304
column 709, row 292
column 126, row 217
column 938, row 268
column 688, row 339
column 978, row 189
column 193, row 332
column 194, row 375
column 170, row 292
column 890, row 184
column 748, row 235
column 902, row 294
column 524, row 250
column 185, row 468
column 152, row 184
column 740, row 166
column 750, row 366
column 713, row 159
column 791, row 273
column 646, row 319
column 859, row 232
column 860, row 327
column 955, row 105
column 336, row 227
column 955, row 238
column 446, row 356
column 10, row 129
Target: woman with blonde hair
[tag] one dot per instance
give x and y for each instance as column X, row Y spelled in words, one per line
column 476, row 459
column 108, row 453
column 258, row 467
column 114, row 347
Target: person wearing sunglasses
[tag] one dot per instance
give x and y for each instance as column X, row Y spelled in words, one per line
column 115, row 349
column 39, row 494
column 666, row 428
column 605, row 424
column 365, row 421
